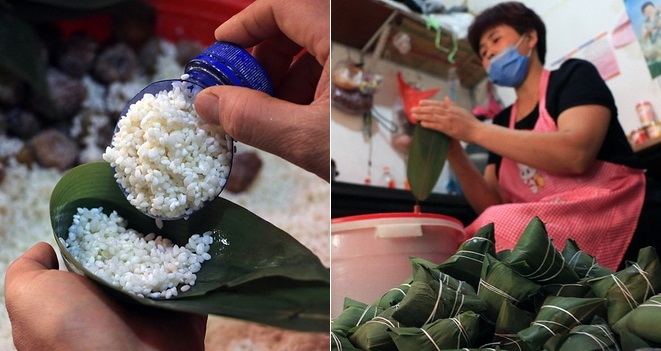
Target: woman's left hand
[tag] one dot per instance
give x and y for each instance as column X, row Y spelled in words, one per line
column 446, row 117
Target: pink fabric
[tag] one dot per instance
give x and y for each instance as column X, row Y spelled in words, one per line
column 599, row 209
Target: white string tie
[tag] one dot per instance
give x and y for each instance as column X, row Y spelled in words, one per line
column 462, row 331
column 438, row 299
column 495, row 290
column 430, row 339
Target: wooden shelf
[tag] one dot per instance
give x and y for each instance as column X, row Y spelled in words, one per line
column 355, row 22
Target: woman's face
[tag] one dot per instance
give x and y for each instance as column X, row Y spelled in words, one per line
column 496, row 39
column 649, row 11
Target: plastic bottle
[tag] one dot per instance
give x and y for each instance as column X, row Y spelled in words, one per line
column 387, row 179
column 222, row 63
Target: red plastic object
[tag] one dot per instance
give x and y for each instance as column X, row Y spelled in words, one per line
column 193, row 20
column 411, row 97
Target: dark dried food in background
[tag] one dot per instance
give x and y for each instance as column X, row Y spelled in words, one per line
column 77, row 55
column 20, row 123
column 52, row 148
column 117, row 62
column 245, row 167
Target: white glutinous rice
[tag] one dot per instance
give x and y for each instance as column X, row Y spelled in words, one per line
column 168, row 159
column 145, row 265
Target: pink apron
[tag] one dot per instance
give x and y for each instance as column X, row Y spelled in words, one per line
column 599, row 209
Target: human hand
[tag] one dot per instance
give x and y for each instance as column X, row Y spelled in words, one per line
column 446, row 117
column 295, row 123
column 51, row 309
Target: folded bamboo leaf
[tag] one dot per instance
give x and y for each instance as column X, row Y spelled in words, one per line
column 503, row 254
column 628, row 288
column 340, row 342
column 427, row 155
column 631, row 342
column 354, row 314
column 582, row 263
column 374, row 335
column 429, row 272
column 393, row 296
column 593, row 337
column 499, row 283
column 21, row 55
column 466, row 263
column 579, row 289
column 430, row 299
column 535, row 257
column 457, row 332
column 643, row 321
column 510, row 320
column 509, row 342
column 559, row 315
column 257, row 272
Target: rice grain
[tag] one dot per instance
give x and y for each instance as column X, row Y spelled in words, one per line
column 168, row 160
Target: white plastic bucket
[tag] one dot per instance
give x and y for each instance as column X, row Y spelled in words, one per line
column 370, row 253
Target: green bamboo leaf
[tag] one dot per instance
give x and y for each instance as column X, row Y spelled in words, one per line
column 257, row 271
column 21, row 53
column 429, row 150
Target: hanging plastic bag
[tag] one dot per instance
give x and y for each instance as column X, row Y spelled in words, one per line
column 411, row 97
column 353, row 90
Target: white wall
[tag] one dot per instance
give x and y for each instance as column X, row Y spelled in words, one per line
column 570, row 23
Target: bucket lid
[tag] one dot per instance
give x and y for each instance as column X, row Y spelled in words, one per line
column 384, row 222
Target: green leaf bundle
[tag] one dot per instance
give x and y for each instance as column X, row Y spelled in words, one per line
column 643, row 321
column 427, row 156
column 584, row 264
column 500, row 282
column 630, row 287
column 559, row 315
column 257, row 272
column 466, row 263
column 354, row 313
column 593, row 337
column 374, row 335
column 442, row 334
column 535, row 257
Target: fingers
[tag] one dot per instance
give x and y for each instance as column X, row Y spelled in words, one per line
column 294, row 132
column 302, row 81
column 306, row 23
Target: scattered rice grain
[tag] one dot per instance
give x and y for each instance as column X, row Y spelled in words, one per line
column 145, row 265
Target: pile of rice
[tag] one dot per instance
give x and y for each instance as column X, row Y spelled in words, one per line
column 168, row 160
column 145, row 265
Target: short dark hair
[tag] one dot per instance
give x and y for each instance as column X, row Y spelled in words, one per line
column 647, row 3
column 513, row 14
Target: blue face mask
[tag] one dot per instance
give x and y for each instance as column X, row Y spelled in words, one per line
column 509, row 68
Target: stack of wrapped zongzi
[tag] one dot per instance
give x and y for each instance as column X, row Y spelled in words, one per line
column 530, row 298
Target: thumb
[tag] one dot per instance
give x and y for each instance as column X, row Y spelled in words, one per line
column 39, row 257
column 257, row 119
